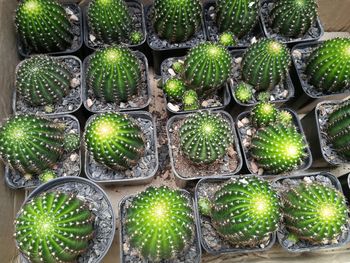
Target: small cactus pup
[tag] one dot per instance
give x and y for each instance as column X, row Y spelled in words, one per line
column 263, row 114
column 244, row 92
column 205, row 137
column 190, row 100
column 263, row 96
column 71, row 142
column 265, row 64
column 43, row 26
column 178, row 66
column 160, row 223
column 54, row 227
column 42, row 80
column 176, row 20
column 174, row 89
column 227, row 39
column 114, row 140
column 31, row 144
column 47, row 176
column 114, row 74
column 328, row 67
column 136, row 37
column 293, row 18
column 284, row 117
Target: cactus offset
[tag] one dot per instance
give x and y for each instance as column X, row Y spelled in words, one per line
column 71, row 142
column 263, row 96
column 174, row 89
column 263, row 114
column 243, row 92
column 136, row 37
column 227, row 39
column 190, row 100
column 178, row 67
column 47, row 176
column 284, row 117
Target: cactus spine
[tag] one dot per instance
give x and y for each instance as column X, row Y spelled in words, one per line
column 174, row 89
column 190, row 100
column 263, row 114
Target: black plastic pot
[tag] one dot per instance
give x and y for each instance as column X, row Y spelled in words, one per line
column 345, row 185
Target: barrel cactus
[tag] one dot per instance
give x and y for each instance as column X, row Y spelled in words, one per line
column 31, row 144
column 176, row 20
column 160, row 223
column 114, row 140
column 114, row 74
column 227, row 39
column 264, row 113
column 54, row 227
column 190, row 100
column 43, row 26
column 265, row 64
column 243, row 92
column 205, row 137
column 328, row 67
column 42, row 80
column 174, row 89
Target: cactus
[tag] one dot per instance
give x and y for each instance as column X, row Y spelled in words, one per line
column 205, row 137
column 227, row 39
column 114, row 140
column 160, row 223
column 114, row 74
column 238, row 16
column 71, row 142
column 207, row 68
column 263, row 114
column 136, row 37
column 278, row 148
column 265, row 64
column 31, row 144
column 328, row 67
column 47, row 176
column 174, row 89
column 42, row 80
column 314, row 212
column 284, row 117
column 43, row 26
column 109, row 20
column 178, row 67
column 243, row 92
column 263, row 96
column 293, row 18
column 176, row 20
column 54, row 227
column 190, row 100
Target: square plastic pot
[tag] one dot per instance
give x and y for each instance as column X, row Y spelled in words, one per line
column 345, row 185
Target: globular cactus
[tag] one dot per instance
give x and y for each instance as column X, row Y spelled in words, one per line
column 278, row 148
column 238, row 16
column 43, row 26
column 207, row 68
column 114, row 74
column 42, row 80
column 47, row 176
column 31, row 144
column 314, row 212
column 263, row 96
column 265, row 64
column 136, row 37
column 174, row 89
column 160, row 223
column 54, row 227
column 190, row 100
column 328, row 67
column 176, row 20
column 114, row 140
column 243, row 92
column 264, row 113
column 227, row 39
column 178, row 67
column 109, row 20
column 284, row 117
column 71, row 142
column 205, row 137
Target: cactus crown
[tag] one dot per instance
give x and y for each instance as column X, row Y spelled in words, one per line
column 190, row 100
column 43, row 26
column 227, row 39
column 114, row 140
column 264, row 113
column 176, row 20
column 174, row 89
column 205, row 137
column 114, row 74
column 328, row 67
column 42, row 80
column 54, row 227
column 244, row 92
column 315, row 212
column 265, row 64
column 160, row 223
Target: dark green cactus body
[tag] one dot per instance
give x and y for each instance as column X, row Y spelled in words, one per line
column 43, row 26
column 160, row 223
column 227, row 39
column 71, row 142
column 176, row 20
column 207, row 68
column 31, row 144
column 329, row 65
column 42, row 80
column 205, row 137
column 237, row 16
column 174, row 89
column 190, row 100
column 243, row 92
column 109, row 20
column 54, row 227
column 293, row 18
column 114, row 140
column 264, row 113
column 265, row 64
column 114, row 74
column 315, row 212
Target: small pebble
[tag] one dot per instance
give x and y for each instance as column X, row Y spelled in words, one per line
column 89, row 103
column 73, row 157
column 92, row 37
column 171, row 72
column 74, row 18
column 75, row 82
column 297, row 54
column 245, row 121
column 173, row 107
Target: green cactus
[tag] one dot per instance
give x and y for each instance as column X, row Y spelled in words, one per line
column 314, row 212
column 31, row 144
column 109, row 20
column 328, row 67
column 238, row 16
column 114, row 74
column 264, row 113
column 207, row 68
column 205, row 137
column 43, row 26
column 284, row 117
column 264, row 96
column 174, row 89
column 293, row 18
column 47, row 176
column 265, row 64
column 136, row 37
column 176, row 20
column 42, row 80
column 278, row 148
column 244, row 92
column 114, row 140
column 160, row 223
column 71, row 142
column 227, row 39
column 190, row 100
column 178, row 67
column 54, row 227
